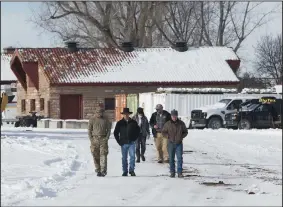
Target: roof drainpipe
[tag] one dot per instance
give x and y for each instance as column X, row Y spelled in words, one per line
column 127, row 46
column 181, row 46
column 72, row 46
column 9, row 50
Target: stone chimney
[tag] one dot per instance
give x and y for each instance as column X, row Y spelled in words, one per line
column 127, row 46
column 72, row 46
column 181, row 46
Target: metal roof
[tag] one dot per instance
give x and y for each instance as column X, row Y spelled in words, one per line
column 203, row 64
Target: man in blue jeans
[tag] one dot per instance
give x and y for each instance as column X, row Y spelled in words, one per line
column 175, row 130
column 126, row 132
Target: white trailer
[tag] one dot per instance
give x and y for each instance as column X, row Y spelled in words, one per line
column 185, row 103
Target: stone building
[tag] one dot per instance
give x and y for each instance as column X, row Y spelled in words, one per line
column 67, row 83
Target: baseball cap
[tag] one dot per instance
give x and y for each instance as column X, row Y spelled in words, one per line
column 174, row 112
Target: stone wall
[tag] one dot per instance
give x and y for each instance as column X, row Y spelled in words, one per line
column 92, row 96
column 33, row 93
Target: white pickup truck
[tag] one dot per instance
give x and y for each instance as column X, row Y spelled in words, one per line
column 212, row 116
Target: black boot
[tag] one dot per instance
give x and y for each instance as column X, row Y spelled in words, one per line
column 160, row 161
column 132, row 173
column 180, row 175
column 103, row 174
column 143, row 158
column 125, row 174
column 99, row 174
column 172, row 175
column 138, row 157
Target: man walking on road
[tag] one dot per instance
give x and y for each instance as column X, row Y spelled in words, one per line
column 157, row 121
column 99, row 129
column 126, row 132
column 142, row 121
column 175, row 130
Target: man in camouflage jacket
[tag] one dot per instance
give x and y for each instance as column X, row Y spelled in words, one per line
column 99, row 129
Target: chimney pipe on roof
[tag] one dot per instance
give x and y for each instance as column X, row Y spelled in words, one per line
column 72, row 46
column 9, row 50
column 181, row 46
column 127, row 46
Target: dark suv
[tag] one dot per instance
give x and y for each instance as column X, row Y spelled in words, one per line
column 256, row 113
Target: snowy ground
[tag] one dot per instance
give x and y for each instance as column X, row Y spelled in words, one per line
column 48, row 168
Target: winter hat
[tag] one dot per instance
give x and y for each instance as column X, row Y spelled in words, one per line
column 159, row 107
column 140, row 110
column 174, row 112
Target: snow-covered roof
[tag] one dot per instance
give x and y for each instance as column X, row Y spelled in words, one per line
column 276, row 89
column 197, row 90
column 159, row 65
column 6, row 72
column 262, row 91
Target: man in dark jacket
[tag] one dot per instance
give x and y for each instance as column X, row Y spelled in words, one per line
column 175, row 130
column 126, row 132
column 142, row 121
column 157, row 121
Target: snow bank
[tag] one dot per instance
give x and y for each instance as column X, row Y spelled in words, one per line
column 55, row 168
column 45, row 163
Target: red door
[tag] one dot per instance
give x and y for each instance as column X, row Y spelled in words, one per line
column 70, row 106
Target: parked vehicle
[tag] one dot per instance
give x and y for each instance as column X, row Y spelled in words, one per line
column 247, row 104
column 184, row 102
column 260, row 113
column 28, row 121
column 212, row 116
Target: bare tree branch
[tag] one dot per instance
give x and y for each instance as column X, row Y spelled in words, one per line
column 149, row 24
column 229, row 23
column 269, row 57
column 180, row 20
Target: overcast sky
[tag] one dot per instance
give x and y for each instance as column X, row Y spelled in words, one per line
column 18, row 31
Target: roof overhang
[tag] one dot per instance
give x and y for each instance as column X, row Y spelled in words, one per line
column 17, row 57
column 29, row 68
column 159, row 84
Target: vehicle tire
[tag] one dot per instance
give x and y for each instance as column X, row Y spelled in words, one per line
column 214, row 123
column 244, row 124
column 17, row 124
column 24, row 123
